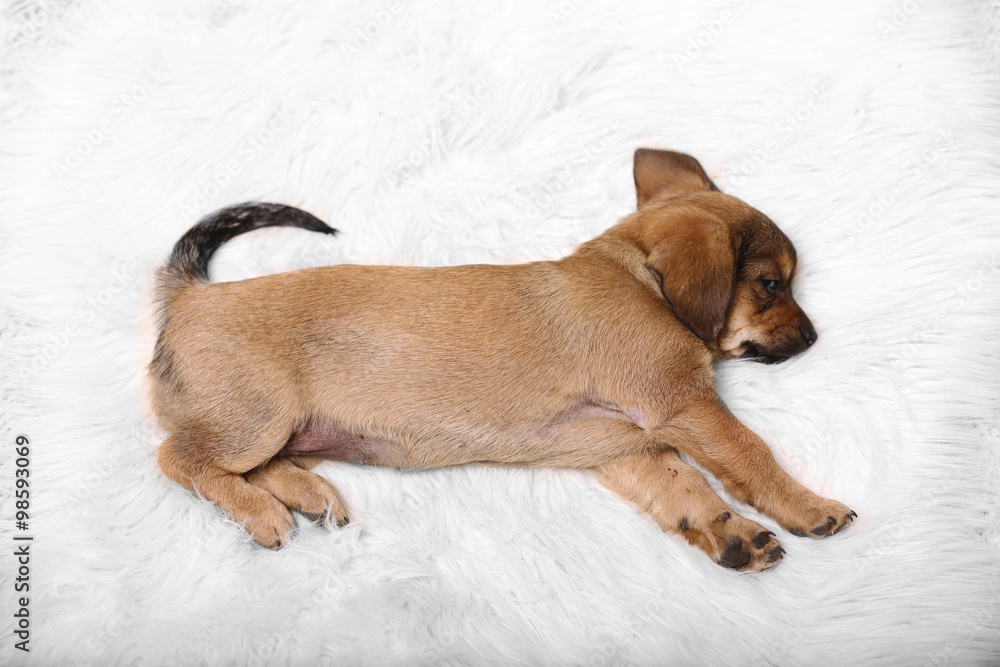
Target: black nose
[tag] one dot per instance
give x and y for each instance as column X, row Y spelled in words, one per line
column 809, row 334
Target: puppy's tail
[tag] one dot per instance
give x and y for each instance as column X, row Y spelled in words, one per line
column 188, row 263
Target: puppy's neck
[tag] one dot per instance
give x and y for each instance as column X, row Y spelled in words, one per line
column 623, row 252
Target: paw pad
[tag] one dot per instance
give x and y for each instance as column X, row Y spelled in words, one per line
column 735, row 554
column 761, row 538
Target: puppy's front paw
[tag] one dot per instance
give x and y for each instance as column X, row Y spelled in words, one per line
column 735, row 542
column 821, row 517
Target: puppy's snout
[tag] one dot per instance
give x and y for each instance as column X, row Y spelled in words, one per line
column 808, row 333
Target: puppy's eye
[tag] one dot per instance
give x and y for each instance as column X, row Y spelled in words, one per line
column 772, row 286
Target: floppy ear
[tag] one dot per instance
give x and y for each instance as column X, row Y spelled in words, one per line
column 695, row 258
column 666, row 172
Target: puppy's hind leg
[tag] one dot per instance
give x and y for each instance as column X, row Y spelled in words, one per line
column 204, row 464
column 300, row 490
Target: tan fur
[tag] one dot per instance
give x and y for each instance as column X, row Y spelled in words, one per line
column 600, row 360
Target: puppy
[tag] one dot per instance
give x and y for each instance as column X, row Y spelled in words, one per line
column 600, row 360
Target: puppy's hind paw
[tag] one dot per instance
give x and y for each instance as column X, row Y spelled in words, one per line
column 327, row 518
column 271, row 525
column 300, row 490
column 837, row 518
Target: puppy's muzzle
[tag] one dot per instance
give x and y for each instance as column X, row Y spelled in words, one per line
column 785, row 342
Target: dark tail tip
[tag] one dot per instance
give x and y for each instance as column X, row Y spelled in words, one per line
column 189, row 260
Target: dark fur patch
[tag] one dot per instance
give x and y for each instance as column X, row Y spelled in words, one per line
column 163, row 366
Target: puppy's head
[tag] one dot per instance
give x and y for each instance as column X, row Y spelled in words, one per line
column 724, row 268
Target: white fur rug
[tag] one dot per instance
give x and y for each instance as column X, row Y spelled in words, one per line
column 444, row 133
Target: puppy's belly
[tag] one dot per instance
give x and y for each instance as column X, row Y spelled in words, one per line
column 331, row 442
column 581, row 436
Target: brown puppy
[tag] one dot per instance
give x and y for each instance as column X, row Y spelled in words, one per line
column 600, row 360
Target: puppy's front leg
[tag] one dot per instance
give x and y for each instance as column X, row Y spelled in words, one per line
column 679, row 499
column 715, row 439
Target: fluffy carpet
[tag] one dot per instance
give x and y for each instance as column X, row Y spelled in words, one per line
column 436, row 133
